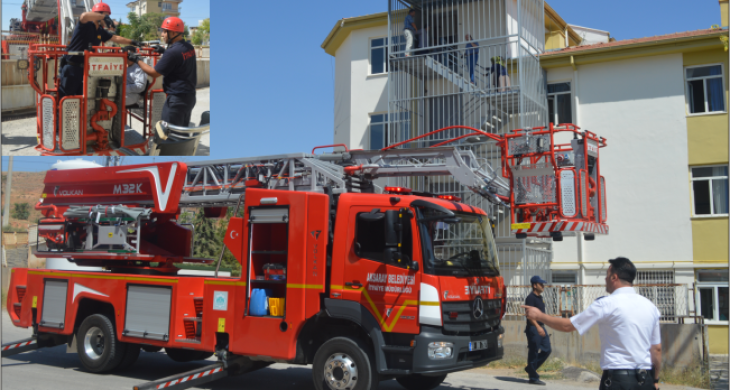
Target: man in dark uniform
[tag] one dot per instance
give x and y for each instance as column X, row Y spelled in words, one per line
column 91, row 29
column 178, row 66
column 537, row 337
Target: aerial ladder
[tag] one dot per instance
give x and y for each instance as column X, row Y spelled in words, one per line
column 125, row 219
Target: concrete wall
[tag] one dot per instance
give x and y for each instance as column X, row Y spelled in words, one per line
column 203, row 66
column 681, row 344
column 718, row 339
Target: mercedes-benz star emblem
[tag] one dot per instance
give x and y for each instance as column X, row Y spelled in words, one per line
column 478, row 308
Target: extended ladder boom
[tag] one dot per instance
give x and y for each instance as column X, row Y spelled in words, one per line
column 221, row 182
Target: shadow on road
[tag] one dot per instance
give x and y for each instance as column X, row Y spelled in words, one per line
column 152, row 366
column 510, row 379
column 29, row 141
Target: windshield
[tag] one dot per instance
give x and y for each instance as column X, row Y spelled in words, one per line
column 462, row 245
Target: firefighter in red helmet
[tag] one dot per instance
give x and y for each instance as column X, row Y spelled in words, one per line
column 91, row 30
column 179, row 70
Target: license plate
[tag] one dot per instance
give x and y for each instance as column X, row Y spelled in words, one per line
column 478, row 345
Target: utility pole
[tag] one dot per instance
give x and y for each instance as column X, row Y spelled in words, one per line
column 8, row 184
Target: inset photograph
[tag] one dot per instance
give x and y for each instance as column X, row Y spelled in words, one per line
column 106, row 78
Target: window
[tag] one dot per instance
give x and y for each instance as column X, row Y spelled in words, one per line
column 710, row 190
column 380, row 134
column 705, row 92
column 166, row 7
column 657, row 288
column 378, row 237
column 712, row 297
column 564, row 277
column 378, row 55
column 560, row 103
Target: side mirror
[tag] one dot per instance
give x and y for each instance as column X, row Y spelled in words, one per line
column 414, row 265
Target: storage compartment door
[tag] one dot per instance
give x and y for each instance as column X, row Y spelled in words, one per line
column 148, row 312
column 54, row 303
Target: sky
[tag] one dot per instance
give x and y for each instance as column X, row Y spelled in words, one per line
column 273, row 85
column 191, row 11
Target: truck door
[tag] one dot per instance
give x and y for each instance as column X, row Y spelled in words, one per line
column 378, row 270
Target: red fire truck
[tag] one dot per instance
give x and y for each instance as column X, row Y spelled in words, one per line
column 363, row 283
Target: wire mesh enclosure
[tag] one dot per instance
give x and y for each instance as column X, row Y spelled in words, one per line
column 470, row 63
column 672, row 300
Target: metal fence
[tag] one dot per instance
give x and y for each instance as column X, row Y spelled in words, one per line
column 15, row 43
column 672, row 300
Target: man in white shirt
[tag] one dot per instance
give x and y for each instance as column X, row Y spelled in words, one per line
column 136, row 83
column 628, row 326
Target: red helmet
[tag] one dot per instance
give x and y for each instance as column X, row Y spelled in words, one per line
column 173, row 24
column 101, row 7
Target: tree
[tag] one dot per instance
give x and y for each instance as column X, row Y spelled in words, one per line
column 21, row 211
column 202, row 34
column 206, row 238
column 143, row 28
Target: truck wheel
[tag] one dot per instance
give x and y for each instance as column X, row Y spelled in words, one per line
column 186, row 355
column 130, row 356
column 99, row 349
column 151, row 348
column 342, row 363
column 420, row 382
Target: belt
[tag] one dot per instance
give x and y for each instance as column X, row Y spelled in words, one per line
column 626, row 372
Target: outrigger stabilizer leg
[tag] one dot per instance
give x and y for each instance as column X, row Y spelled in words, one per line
column 187, row 379
column 19, row 346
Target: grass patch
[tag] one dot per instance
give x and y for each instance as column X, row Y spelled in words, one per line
column 553, row 367
column 691, row 376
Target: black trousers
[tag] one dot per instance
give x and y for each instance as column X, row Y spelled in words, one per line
column 536, row 342
column 71, row 81
column 626, row 382
column 178, row 109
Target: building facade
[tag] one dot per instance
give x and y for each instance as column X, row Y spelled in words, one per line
column 167, row 7
column 662, row 104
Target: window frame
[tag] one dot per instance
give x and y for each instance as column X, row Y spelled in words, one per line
column 563, row 272
column 704, row 85
column 386, row 128
column 555, row 94
column 715, row 299
column 370, row 56
column 412, row 236
column 709, row 179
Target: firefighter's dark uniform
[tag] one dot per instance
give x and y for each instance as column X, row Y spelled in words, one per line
column 179, row 70
column 72, row 73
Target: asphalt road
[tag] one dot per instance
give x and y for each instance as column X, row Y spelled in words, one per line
column 19, row 136
column 53, row 368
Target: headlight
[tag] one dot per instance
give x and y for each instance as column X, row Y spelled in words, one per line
column 440, row 350
column 499, row 341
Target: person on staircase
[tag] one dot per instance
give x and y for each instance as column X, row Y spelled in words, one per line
column 472, row 55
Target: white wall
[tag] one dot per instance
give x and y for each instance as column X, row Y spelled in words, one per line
column 357, row 93
column 590, row 35
column 342, row 93
column 638, row 106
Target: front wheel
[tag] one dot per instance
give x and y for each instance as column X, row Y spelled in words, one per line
column 342, row 363
column 99, row 349
column 420, row 382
